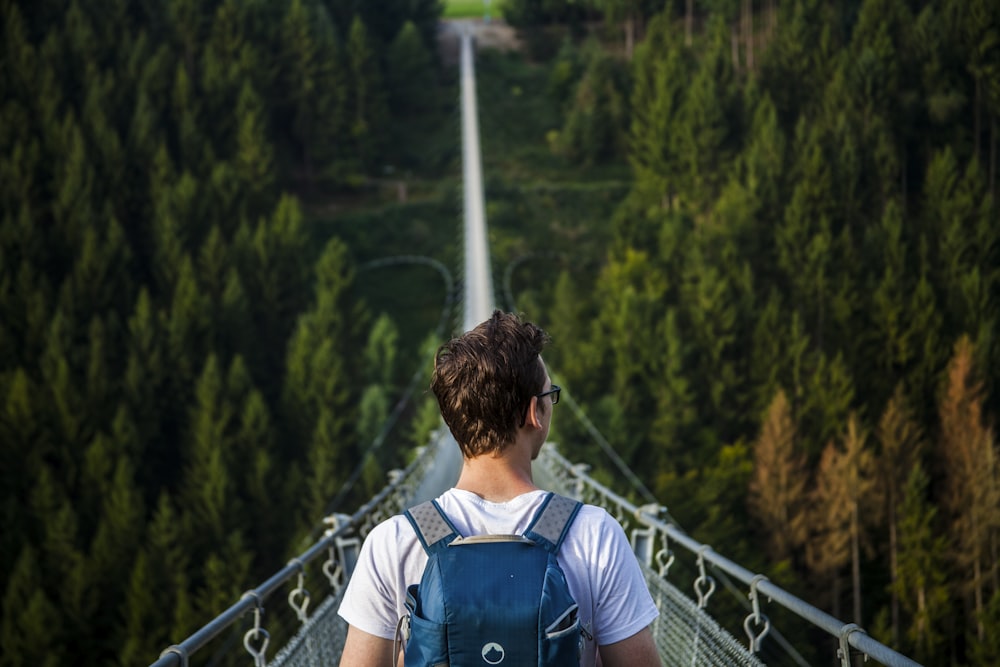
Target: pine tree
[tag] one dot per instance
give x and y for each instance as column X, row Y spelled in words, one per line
column 206, row 494
column 272, row 270
column 409, row 74
column 142, row 637
column 921, row 580
column 675, row 402
column 229, row 60
column 659, row 72
column 595, row 124
column 829, row 549
column 901, row 439
column 317, row 397
column 704, row 133
column 972, row 493
column 779, row 482
column 26, row 441
column 254, row 156
column 310, row 77
column 366, row 104
column 187, row 328
column 380, row 352
column 29, row 618
column 894, row 343
column 112, row 552
column 805, row 236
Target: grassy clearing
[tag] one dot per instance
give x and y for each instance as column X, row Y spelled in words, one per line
column 460, row 9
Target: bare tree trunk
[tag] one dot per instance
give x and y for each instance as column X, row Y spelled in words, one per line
column 921, row 611
column 993, row 158
column 977, row 120
column 977, row 573
column 688, row 22
column 748, row 32
column 836, row 593
column 629, row 35
column 734, row 41
column 894, row 570
column 856, row 563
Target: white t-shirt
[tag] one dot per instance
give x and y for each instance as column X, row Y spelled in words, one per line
column 601, row 569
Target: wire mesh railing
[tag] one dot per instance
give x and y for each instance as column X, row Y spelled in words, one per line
column 321, row 634
column 685, row 633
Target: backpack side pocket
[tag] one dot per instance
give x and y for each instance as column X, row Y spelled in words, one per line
column 560, row 640
column 428, row 642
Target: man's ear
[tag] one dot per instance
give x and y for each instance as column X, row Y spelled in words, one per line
column 532, row 418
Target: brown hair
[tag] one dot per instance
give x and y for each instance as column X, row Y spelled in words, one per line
column 484, row 381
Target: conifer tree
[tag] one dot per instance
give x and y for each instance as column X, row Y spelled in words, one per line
column 595, row 124
column 829, row 549
column 972, row 492
column 29, row 618
column 675, row 401
column 316, row 395
column 764, row 163
column 779, row 482
column 900, row 437
column 921, row 576
column 366, row 104
column 229, row 60
column 657, row 95
column 409, row 74
column 310, row 75
column 270, row 260
column 207, row 488
column 187, row 328
column 633, row 289
column 959, row 218
column 705, row 126
column 894, row 345
column 141, row 636
column 380, row 352
column 111, row 554
column 254, row 155
column 805, row 236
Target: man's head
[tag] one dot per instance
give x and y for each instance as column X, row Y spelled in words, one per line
column 485, row 380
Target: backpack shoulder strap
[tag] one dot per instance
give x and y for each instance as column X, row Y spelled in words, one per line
column 551, row 522
column 433, row 527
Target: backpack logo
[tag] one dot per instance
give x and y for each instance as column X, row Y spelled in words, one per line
column 493, row 653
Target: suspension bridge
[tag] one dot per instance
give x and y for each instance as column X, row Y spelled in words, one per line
column 686, row 631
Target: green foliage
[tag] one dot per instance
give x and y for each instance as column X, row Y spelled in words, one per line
column 154, row 263
column 595, row 124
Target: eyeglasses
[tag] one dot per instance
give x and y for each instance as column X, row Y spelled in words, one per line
column 554, row 391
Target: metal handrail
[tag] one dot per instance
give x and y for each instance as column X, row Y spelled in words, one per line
column 177, row 655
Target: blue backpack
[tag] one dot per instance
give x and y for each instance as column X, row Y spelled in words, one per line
column 492, row 599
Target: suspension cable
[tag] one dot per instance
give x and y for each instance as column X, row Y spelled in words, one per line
column 404, row 400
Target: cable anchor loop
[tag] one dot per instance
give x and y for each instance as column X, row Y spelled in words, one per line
column 256, row 633
column 844, row 652
column 704, row 585
column 664, row 559
column 756, row 618
column 178, row 650
column 298, row 597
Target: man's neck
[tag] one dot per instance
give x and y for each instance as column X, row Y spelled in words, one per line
column 497, row 478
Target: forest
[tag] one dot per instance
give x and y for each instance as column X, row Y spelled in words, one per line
column 763, row 236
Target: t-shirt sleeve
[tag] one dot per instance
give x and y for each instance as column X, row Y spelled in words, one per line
column 370, row 600
column 624, row 605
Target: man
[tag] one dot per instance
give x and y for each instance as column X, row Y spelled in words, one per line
column 496, row 396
